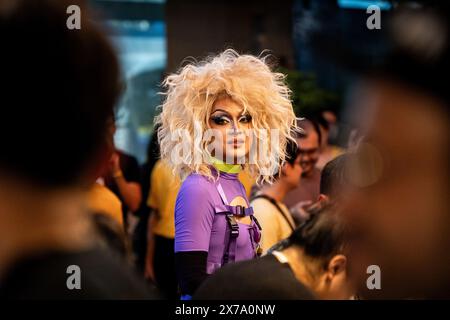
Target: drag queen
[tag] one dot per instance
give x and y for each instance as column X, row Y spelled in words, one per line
column 220, row 116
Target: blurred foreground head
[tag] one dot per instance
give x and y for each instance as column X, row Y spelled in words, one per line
column 59, row 87
column 399, row 208
column 323, row 243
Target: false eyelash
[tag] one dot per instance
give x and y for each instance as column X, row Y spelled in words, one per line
column 219, row 119
column 247, row 117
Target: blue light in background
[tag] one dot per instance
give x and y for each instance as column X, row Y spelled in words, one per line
column 141, row 47
column 361, row 4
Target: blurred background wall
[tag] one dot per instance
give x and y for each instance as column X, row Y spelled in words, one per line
column 197, row 28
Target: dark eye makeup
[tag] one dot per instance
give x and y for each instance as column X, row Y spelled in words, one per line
column 220, row 120
column 246, row 118
column 223, row 119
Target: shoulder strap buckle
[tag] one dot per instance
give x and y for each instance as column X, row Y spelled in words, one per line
column 234, row 226
column 240, row 211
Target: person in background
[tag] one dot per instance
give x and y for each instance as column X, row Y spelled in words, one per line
column 333, row 179
column 101, row 200
column 333, row 183
column 160, row 259
column 330, row 116
column 274, row 217
column 327, row 120
column 61, row 86
column 123, row 179
column 311, row 263
column 139, row 237
column 308, row 189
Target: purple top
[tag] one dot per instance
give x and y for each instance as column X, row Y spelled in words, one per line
column 199, row 227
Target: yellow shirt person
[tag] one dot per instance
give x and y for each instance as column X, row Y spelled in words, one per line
column 162, row 197
column 276, row 225
column 104, row 201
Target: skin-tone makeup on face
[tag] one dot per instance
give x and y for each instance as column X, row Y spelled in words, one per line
column 231, row 123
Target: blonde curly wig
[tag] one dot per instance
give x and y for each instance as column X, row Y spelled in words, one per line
column 248, row 80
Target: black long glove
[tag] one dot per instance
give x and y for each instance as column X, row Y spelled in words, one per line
column 191, row 270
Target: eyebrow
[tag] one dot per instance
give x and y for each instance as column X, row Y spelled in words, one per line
column 221, row 110
column 228, row 114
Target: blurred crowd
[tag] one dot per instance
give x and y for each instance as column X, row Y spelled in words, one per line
column 68, row 196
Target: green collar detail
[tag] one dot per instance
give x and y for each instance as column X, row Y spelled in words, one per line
column 225, row 167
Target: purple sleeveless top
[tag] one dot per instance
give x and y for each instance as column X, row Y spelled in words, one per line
column 200, row 224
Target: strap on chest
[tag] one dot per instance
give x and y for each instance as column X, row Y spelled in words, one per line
column 231, row 213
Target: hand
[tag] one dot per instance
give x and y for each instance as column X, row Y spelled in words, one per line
column 114, row 163
column 299, row 211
